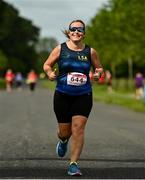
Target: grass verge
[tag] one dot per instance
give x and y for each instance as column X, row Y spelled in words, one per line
column 118, row 97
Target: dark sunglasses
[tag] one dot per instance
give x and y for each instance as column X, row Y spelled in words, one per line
column 79, row 29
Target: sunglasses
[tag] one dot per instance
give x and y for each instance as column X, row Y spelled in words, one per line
column 79, row 29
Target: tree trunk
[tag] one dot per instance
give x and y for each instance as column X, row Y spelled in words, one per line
column 113, row 69
column 130, row 73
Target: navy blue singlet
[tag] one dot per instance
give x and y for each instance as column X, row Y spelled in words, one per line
column 74, row 67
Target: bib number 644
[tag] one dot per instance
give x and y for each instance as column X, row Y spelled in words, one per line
column 76, row 79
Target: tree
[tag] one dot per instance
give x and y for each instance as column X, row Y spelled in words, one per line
column 43, row 48
column 18, row 37
column 46, row 44
column 3, row 62
column 117, row 32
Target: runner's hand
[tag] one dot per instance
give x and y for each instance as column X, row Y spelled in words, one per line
column 97, row 74
column 52, row 75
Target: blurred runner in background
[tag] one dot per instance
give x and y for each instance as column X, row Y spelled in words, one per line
column 9, row 77
column 32, row 80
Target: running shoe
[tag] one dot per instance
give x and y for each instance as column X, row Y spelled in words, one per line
column 74, row 170
column 61, row 148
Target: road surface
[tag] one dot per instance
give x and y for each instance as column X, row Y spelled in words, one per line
column 114, row 140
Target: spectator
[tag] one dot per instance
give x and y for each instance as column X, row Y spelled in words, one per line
column 139, row 84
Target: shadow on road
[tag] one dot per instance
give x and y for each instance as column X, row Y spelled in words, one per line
column 66, row 159
column 107, row 173
column 52, row 172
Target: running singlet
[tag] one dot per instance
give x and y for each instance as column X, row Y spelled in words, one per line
column 74, row 67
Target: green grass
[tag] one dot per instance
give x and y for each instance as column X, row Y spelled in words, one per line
column 120, row 96
column 2, row 83
column 126, row 99
column 48, row 84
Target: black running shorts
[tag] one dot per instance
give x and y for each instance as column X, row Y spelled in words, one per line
column 66, row 106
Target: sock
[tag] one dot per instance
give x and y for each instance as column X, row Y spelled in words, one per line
column 63, row 141
column 73, row 162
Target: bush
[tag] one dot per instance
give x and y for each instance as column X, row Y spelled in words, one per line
column 2, row 83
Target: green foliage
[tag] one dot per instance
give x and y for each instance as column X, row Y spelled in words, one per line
column 16, row 65
column 117, row 32
column 3, row 60
column 17, row 38
column 2, row 83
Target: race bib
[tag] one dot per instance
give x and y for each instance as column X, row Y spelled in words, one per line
column 76, row 79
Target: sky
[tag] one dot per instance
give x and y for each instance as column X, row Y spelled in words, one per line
column 53, row 16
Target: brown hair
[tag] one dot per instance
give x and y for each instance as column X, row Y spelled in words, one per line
column 65, row 32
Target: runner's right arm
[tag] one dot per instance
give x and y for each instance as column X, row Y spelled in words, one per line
column 51, row 60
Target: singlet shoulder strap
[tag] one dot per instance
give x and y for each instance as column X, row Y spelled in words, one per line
column 88, row 50
column 63, row 46
column 87, row 47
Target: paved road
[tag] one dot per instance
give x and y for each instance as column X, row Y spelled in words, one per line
column 114, row 146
